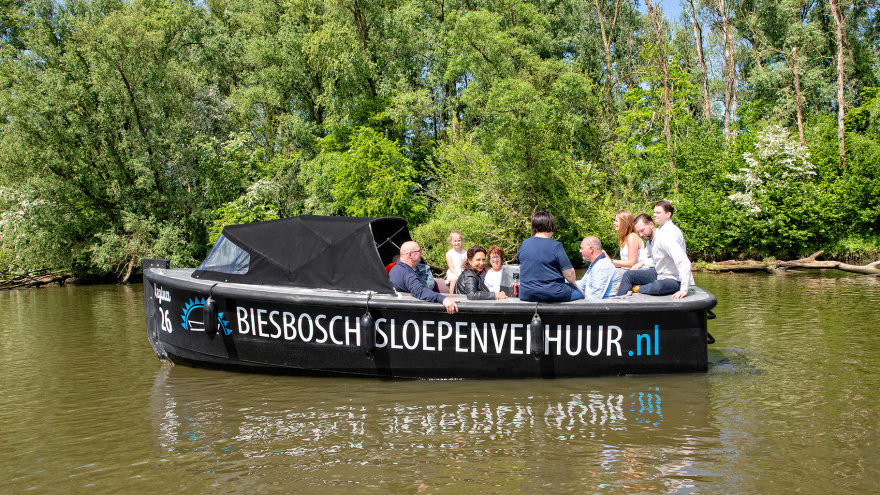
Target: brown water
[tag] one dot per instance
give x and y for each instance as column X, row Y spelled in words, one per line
column 789, row 405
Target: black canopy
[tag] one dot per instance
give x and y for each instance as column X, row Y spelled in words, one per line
column 311, row 251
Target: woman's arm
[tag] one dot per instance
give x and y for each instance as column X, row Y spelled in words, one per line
column 633, row 241
column 569, row 275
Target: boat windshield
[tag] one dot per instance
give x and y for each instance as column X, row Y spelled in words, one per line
column 227, row 257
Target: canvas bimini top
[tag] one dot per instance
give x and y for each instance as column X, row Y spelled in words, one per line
column 341, row 253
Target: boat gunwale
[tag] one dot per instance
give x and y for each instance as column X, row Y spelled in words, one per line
column 179, row 278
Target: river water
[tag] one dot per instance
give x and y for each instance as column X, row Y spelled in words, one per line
column 789, row 405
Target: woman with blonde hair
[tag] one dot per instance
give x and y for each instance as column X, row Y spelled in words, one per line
column 632, row 248
column 454, row 257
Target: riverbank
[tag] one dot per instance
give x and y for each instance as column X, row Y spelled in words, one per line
column 49, row 278
column 864, row 266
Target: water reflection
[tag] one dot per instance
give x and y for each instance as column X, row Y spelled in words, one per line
column 789, row 404
column 588, row 433
column 804, row 409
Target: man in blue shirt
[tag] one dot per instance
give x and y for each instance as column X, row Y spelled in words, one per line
column 404, row 279
column 601, row 279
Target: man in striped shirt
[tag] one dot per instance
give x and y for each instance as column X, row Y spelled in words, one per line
column 601, row 279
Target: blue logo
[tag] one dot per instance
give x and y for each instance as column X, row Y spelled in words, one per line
column 194, row 323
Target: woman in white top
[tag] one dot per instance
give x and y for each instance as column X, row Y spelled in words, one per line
column 493, row 274
column 454, row 257
column 632, row 248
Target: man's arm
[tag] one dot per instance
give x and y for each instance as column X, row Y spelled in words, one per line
column 584, row 283
column 404, row 279
column 682, row 265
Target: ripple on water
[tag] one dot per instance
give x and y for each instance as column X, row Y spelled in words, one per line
column 788, row 403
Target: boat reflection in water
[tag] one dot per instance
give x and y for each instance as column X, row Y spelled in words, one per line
column 306, row 433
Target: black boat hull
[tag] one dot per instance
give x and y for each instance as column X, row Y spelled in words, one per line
column 296, row 331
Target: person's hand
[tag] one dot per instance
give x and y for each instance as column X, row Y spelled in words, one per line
column 680, row 294
column 450, row 305
column 500, row 295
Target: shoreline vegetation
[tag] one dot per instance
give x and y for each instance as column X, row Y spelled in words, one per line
column 137, row 129
column 47, row 278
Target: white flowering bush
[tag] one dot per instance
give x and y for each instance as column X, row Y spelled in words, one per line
column 776, row 206
column 779, row 161
column 25, row 229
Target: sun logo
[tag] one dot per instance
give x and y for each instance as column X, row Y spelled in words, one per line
column 192, row 317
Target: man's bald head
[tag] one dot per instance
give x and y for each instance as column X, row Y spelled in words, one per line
column 591, row 248
column 410, row 253
column 593, row 241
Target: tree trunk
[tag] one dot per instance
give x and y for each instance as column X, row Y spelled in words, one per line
column 797, row 95
column 607, row 31
column 657, row 19
column 837, row 14
column 606, row 45
column 782, row 266
column 729, row 73
column 698, row 38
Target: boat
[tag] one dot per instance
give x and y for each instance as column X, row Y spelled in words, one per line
column 309, row 295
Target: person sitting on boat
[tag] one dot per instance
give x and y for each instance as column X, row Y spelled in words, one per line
column 404, row 279
column 632, row 248
column 454, row 257
column 663, row 211
column 389, row 266
column 423, row 271
column 602, row 278
column 545, row 272
column 494, row 274
column 470, row 281
column 646, row 263
column 672, row 268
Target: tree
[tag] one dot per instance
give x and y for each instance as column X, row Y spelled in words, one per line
column 101, row 107
column 698, row 40
column 838, row 15
column 374, row 179
column 786, row 44
column 771, row 214
column 730, row 86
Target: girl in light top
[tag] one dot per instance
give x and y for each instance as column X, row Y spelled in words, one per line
column 454, row 257
column 493, row 274
column 632, row 248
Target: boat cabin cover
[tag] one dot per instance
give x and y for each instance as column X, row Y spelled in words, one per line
column 341, row 253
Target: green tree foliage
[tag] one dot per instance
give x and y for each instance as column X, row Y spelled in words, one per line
column 374, row 179
column 136, row 128
column 101, row 111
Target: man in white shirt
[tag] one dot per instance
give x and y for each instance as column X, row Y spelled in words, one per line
column 663, row 211
column 672, row 268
